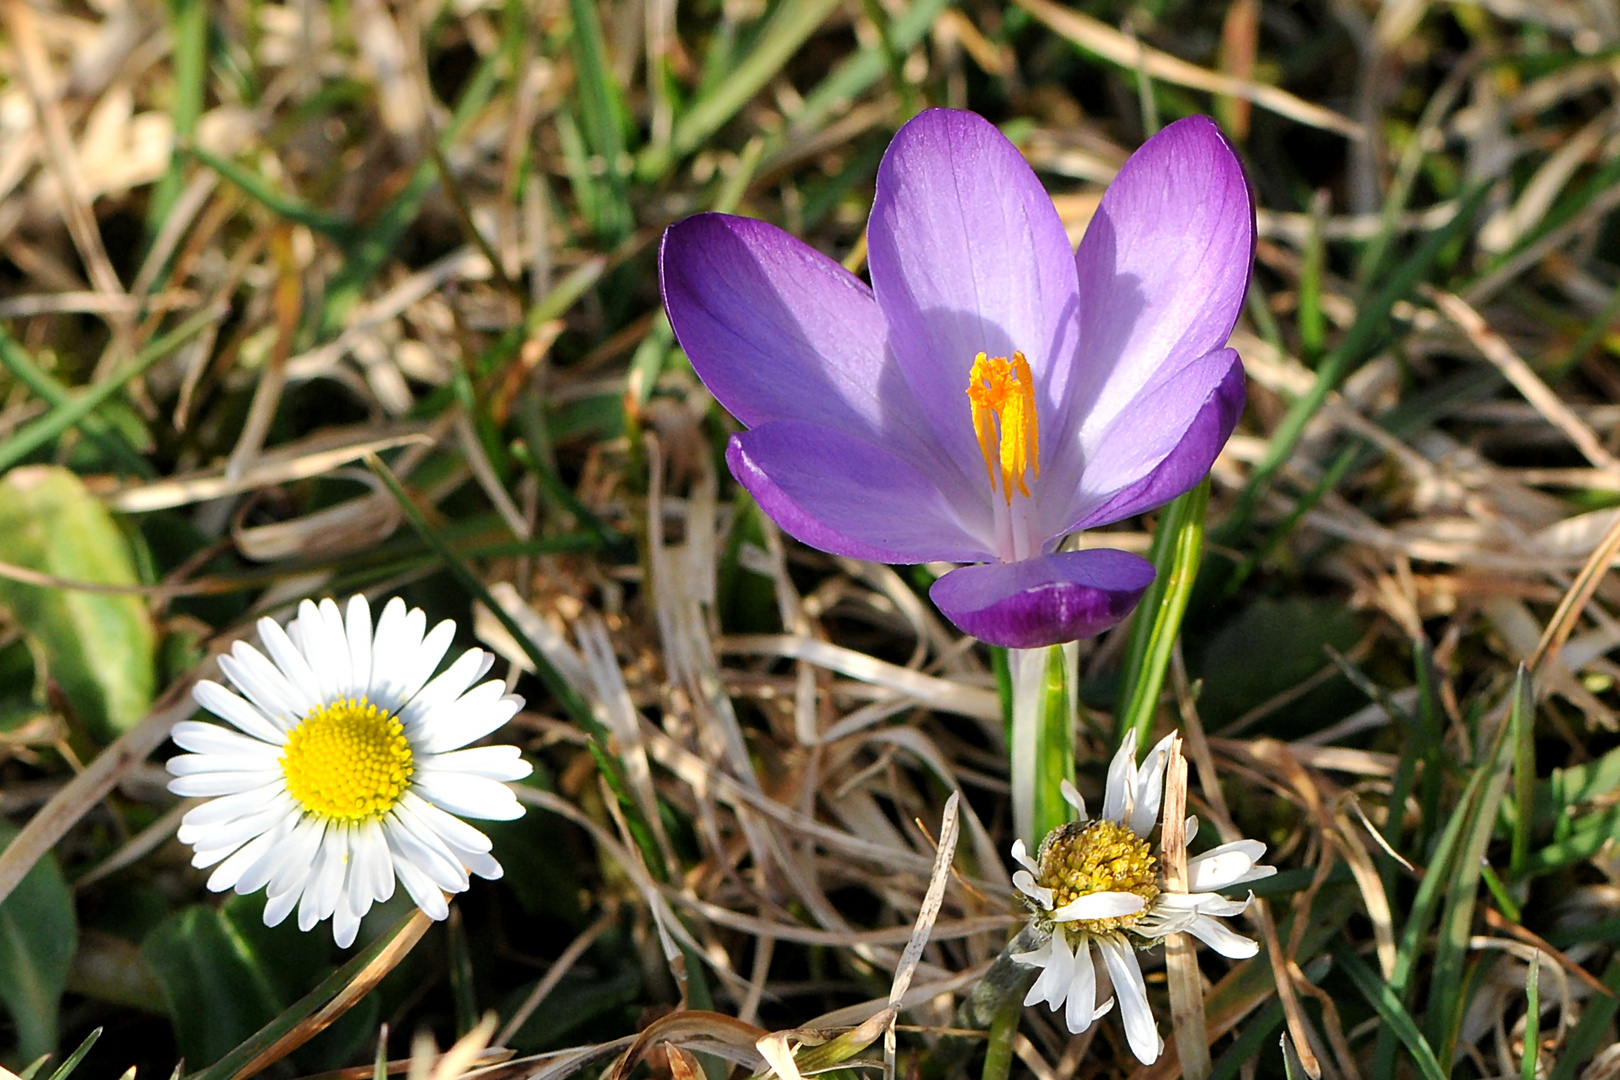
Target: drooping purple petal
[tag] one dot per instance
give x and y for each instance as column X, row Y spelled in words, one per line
column 967, row 254
column 1044, row 600
column 1203, row 404
column 841, row 494
column 1163, row 267
column 778, row 331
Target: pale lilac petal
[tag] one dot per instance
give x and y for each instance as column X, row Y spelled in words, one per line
column 778, row 331
column 968, row 255
column 1164, row 265
column 1044, row 600
column 1099, row 905
column 851, row 497
column 1161, row 444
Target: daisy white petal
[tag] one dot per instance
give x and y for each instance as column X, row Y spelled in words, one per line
column 1100, row 905
column 1223, row 940
column 1081, row 1008
column 227, row 807
column 345, row 925
column 1149, row 789
column 490, row 762
column 446, row 687
column 469, row 796
column 1056, row 974
column 220, row 783
column 422, row 889
column 1072, row 796
column 357, row 632
column 277, row 908
column 1131, row 991
column 1021, row 854
column 1226, row 865
column 289, row 658
column 259, row 681
column 1121, row 781
column 229, row 871
column 426, row 661
column 226, row 705
column 189, row 764
column 483, row 709
column 447, row 826
column 1024, row 882
column 213, row 739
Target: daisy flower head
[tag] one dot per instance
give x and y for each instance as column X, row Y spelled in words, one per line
column 347, row 766
column 1096, row 887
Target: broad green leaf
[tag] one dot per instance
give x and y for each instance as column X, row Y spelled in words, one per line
column 97, row 647
column 215, row 984
column 38, row 936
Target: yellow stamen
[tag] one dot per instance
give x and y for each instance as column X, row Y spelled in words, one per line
column 1004, row 390
column 347, row 760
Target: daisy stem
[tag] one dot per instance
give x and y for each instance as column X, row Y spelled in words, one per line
column 1042, row 745
column 998, row 1052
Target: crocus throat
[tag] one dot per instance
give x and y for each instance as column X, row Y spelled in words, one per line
column 1004, row 391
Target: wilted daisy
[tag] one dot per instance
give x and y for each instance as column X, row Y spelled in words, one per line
column 994, row 389
column 347, row 768
column 1096, row 884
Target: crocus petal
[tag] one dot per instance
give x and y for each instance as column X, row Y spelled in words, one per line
column 1164, row 265
column 848, row 496
column 968, row 255
column 778, row 331
column 1163, row 443
column 1044, row 600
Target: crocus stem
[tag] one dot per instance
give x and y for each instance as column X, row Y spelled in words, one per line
column 1042, row 748
column 1178, row 548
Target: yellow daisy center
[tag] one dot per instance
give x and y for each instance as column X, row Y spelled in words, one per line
column 1002, row 390
column 1098, row 856
column 347, row 760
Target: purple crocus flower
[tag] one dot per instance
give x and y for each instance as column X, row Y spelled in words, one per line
column 992, row 391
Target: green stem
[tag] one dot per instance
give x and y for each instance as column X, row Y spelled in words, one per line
column 1042, row 749
column 1178, row 548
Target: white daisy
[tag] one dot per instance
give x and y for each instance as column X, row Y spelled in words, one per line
column 346, row 768
column 1095, row 884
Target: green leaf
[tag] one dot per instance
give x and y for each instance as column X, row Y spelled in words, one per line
column 217, row 988
column 38, row 936
column 97, row 647
column 1178, row 549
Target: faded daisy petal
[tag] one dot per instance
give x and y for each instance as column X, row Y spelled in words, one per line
column 1095, row 887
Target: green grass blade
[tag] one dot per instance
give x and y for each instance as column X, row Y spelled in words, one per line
column 58, row 420
column 1178, row 549
column 785, row 29
column 1389, row 1009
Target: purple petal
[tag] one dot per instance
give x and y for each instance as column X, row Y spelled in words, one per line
column 1164, row 265
column 845, row 495
column 778, row 331
column 967, row 254
column 1192, row 416
column 1044, row 600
